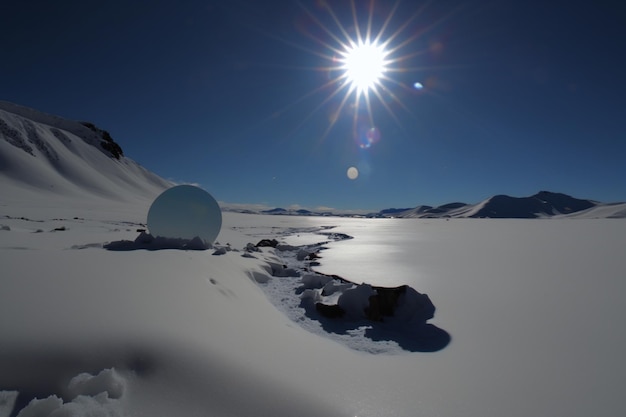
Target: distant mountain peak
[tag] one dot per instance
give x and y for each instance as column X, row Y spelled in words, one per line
column 107, row 143
column 542, row 204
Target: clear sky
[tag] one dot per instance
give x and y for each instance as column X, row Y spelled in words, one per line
column 238, row 96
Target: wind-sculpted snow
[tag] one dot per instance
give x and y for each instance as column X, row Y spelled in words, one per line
column 84, row 395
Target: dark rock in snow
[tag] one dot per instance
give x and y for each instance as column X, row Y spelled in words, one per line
column 384, row 302
column 271, row 243
column 332, row 311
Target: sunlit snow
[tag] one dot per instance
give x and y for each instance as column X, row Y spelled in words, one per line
column 534, row 308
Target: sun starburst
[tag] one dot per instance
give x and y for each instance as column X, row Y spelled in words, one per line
column 363, row 57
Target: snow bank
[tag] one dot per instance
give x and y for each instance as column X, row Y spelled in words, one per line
column 107, row 381
column 90, row 396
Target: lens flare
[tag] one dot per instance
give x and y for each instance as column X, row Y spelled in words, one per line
column 352, row 173
column 366, row 137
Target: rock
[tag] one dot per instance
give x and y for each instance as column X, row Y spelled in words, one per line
column 144, row 238
column 330, row 311
column 272, row 243
column 285, row 248
column 403, row 303
column 220, row 251
column 414, row 307
column 384, row 302
column 250, row 247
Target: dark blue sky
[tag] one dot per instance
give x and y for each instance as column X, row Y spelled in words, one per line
column 519, row 96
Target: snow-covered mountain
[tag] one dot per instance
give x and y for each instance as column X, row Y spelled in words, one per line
column 44, row 154
column 544, row 204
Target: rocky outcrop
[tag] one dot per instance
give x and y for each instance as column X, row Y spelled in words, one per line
column 402, row 302
column 107, row 143
column 331, row 311
column 267, row 243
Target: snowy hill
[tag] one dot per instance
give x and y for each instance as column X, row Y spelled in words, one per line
column 446, row 210
column 542, row 204
column 41, row 153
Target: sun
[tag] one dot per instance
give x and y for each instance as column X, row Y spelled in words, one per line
column 364, row 64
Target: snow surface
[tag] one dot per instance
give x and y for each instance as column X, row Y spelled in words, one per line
column 535, row 315
column 534, row 308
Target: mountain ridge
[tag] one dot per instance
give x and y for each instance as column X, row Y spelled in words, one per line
column 544, row 204
column 42, row 153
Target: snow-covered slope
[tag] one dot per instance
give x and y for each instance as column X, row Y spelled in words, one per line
column 542, row 204
column 41, row 154
column 600, row 211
